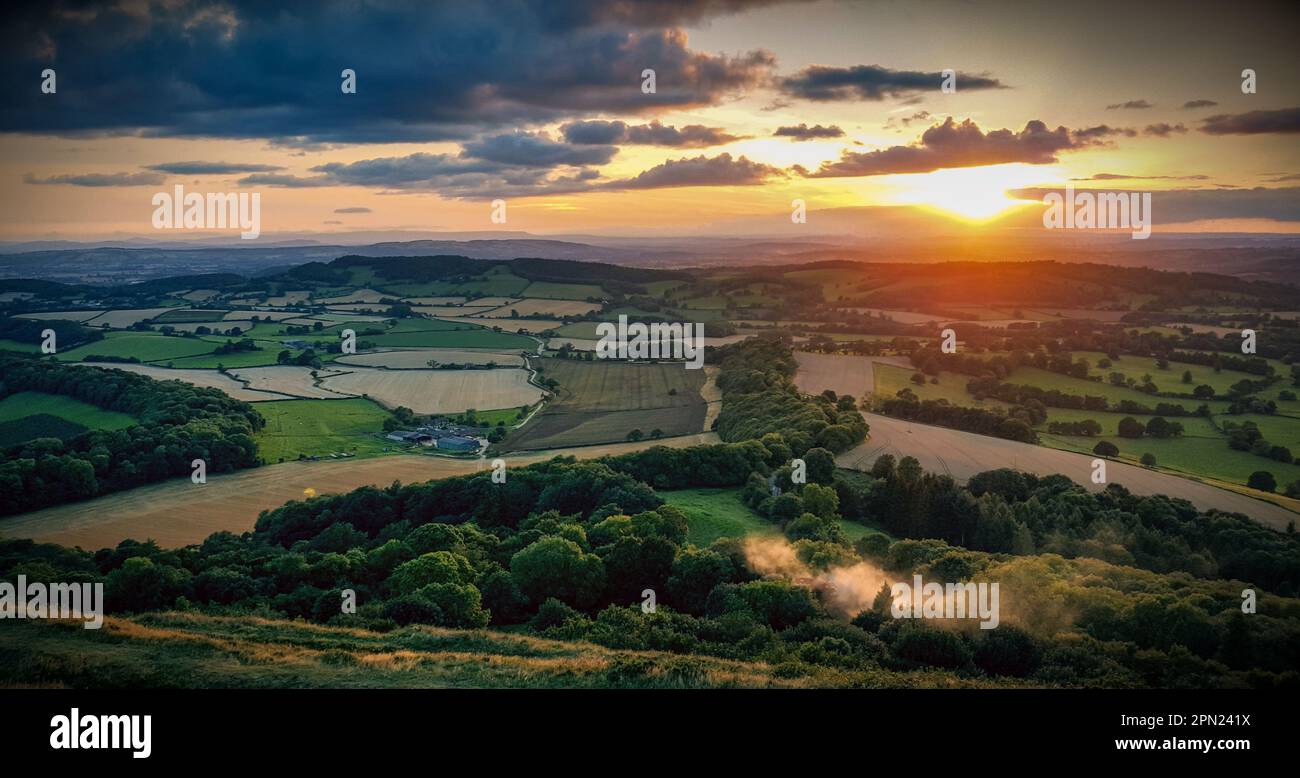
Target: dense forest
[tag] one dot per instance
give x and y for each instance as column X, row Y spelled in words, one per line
column 178, row 423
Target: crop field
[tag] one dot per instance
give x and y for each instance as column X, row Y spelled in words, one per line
column 121, row 319
column 407, row 359
column 319, row 428
column 543, row 308
column 286, row 380
column 266, row 355
column 81, row 316
column 438, row 391
column 185, row 315
column 842, row 374
column 605, row 400
column 547, row 289
column 143, row 346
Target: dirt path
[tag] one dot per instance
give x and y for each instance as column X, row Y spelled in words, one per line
column 177, row 512
column 963, row 454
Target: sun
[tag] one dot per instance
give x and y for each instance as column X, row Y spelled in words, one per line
column 974, row 194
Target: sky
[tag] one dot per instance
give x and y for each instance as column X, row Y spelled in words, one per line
column 545, row 106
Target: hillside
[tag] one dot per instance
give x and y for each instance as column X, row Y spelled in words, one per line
column 191, row 650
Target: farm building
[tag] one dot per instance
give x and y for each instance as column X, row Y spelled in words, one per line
column 457, row 443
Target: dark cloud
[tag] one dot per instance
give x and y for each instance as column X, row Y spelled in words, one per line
column 872, row 82
column 721, row 170
column 210, row 168
column 522, row 149
column 1282, row 121
column 804, row 132
column 652, row 134
column 475, row 178
column 282, row 180
column 1100, row 134
column 100, row 179
column 951, row 145
column 1164, row 130
column 1131, row 105
column 1185, row 205
column 1285, row 178
column 353, row 209
column 1199, row 104
column 425, row 71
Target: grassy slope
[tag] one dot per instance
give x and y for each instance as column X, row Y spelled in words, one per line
column 719, row 513
column 182, row 650
column 17, row 406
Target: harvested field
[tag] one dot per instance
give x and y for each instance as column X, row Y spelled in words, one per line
column 289, row 380
column 418, row 358
column 963, row 454
column 289, row 298
column 125, row 318
column 81, row 316
column 840, row 373
column 208, row 378
column 175, row 513
column 199, row 295
column 602, row 401
column 438, row 391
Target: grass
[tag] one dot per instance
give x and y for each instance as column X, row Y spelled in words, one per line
column 555, row 291
column 320, row 428
column 191, row 650
column 717, row 513
column 28, row 415
column 14, row 345
column 1196, row 456
column 146, row 347
column 1171, row 378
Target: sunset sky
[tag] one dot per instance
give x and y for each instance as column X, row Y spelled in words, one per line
column 540, row 104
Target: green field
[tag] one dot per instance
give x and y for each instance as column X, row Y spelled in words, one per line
column 320, row 428
column 717, row 513
column 1171, row 378
column 145, row 347
column 553, row 291
column 13, row 345
column 28, row 415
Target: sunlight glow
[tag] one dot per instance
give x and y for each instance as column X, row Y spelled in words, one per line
column 973, row 194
